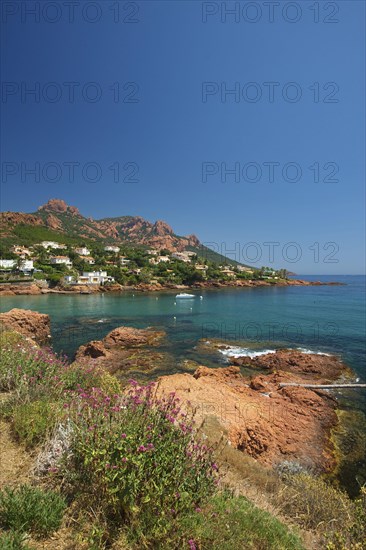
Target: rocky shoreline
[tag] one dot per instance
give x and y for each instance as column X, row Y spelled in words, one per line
column 253, row 412
column 33, row 289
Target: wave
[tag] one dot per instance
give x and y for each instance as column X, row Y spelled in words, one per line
column 310, row 351
column 236, row 351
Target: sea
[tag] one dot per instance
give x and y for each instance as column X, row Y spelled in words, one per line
column 249, row 321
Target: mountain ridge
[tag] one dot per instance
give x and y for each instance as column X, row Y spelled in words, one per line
column 57, row 217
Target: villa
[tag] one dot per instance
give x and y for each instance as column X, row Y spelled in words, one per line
column 90, row 278
column 61, row 260
column 114, row 249
column 159, row 259
column 52, row 244
column 26, row 266
column 183, row 256
column 82, row 251
column 21, row 251
column 87, row 259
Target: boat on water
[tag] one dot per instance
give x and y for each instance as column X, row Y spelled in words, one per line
column 184, row 295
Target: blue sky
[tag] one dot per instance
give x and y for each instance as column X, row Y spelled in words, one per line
column 172, row 132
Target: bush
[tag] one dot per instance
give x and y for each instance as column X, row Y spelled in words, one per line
column 314, row 503
column 29, row 509
column 234, row 522
column 136, row 459
column 352, row 536
column 33, row 421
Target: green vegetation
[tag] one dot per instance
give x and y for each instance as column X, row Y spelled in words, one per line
column 229, row 522
column 133, row 467
column 29, row 509
column 135, row 471
column 12, row 540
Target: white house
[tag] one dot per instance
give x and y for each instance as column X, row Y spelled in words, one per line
column 52, row 244
column 82, row 251
column 182, row 256
column 115, row 249
column 159, row 259
column 7, row 264
column 243, row 269
column 94, row 278
column 21, row 251
column 61, row 260
column 124, row 261
column 202, row 268
column 25, row 266
column 88, row 260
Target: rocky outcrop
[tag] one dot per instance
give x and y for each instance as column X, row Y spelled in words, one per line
column 269, row 423
column 58, row 206
column 161, row 229
column 19, row 289
column 126, row 349
column 320, row 367
column 29, row 323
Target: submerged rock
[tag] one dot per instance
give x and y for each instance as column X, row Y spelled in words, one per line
column 126, row 349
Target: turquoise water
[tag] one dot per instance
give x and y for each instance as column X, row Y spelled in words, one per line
column 328, row 319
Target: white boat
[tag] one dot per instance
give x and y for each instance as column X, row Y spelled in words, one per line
column 184, row 295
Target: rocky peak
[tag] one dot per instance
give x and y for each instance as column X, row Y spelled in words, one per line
column 193, row 240
column 58, row 206
column 161, row 229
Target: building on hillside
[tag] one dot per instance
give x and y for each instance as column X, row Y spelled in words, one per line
column 61, row 260
column 90, row 278
column 226, row 270
column 243, row 269
column 153, row 252
column 124, row 261
column 21, row 251
column 52, row 244
column 201, row 268
column 182, row 256
column 82, row 251
column 110, row 248
column 159, row 260
column 87, row 259
column 25, row 266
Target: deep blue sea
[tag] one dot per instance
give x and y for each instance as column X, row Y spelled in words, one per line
column 327, row 319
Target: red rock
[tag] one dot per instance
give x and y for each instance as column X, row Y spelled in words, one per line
column 29, row 323
column 291, row 423
column 322, row 368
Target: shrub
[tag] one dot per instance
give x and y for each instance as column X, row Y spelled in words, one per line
column 353, row 536
column 27, row 369
column 229, row 522
column 33, row 421
column 314, row 503
column 29, row 509
column 137, row 459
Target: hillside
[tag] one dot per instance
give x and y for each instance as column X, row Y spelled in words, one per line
column 60, row 222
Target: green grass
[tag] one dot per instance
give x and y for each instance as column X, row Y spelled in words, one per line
column 13, row 540
column 31, row 510
column 229, row 523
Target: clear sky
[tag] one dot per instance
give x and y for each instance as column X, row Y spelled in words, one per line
column 131, row 115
